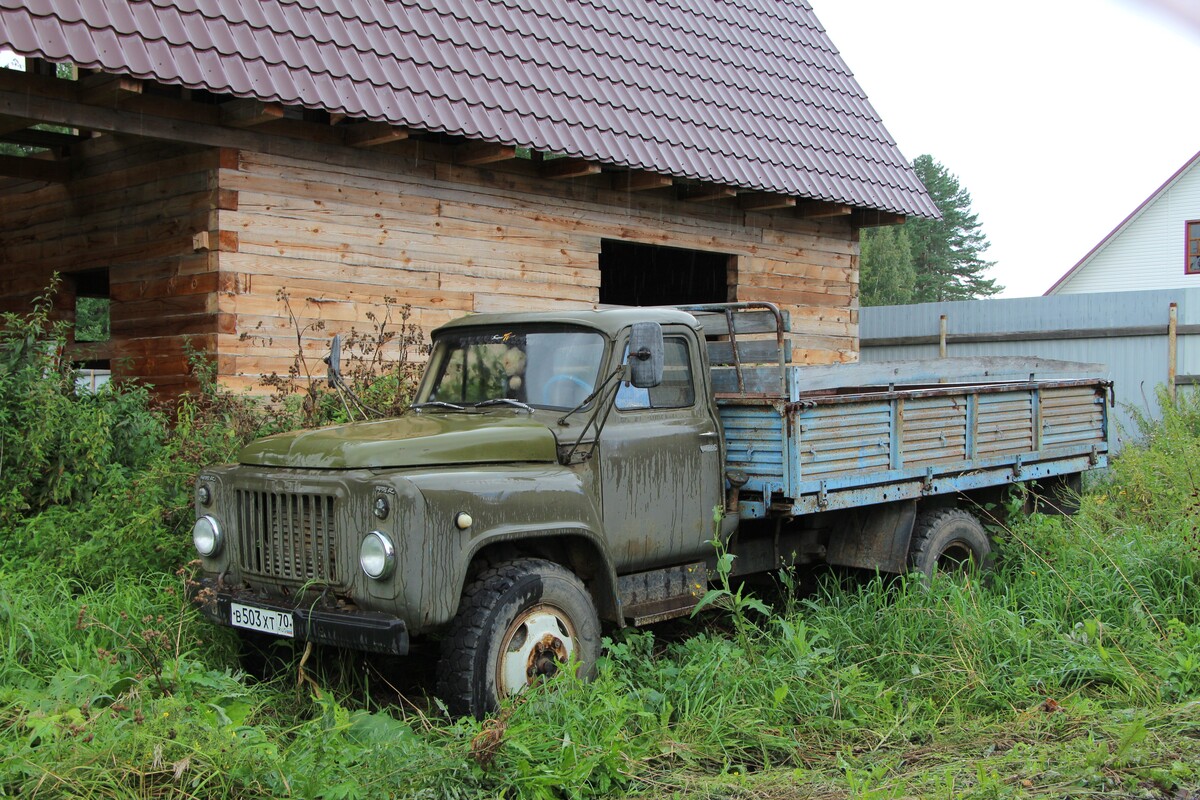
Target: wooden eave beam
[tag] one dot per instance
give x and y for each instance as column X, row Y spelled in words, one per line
column 822, row 209
column 34, row 169
column 479, row 153
column 55, row 102
column 765, row 201
column 10, row 124
column 373, row 134
column 302, row 129
column 561, row 169
column 34, row 137
column 640, row 181
column 248, row 112
column 870, row 218
column 108, row 90
column 706, row 193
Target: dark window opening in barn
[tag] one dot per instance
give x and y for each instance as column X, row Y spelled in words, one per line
column 634, row 274
column 92, row 305
column 93, row 327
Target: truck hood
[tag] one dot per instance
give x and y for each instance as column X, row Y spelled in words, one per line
column 413, row 440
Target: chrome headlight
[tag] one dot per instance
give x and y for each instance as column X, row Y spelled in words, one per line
column 207, row 535
column 204, row 494
column 377, row 555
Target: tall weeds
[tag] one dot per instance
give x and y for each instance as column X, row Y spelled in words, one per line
column 1075, row 669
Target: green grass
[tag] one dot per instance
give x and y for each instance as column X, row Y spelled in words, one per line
column 1073, row 671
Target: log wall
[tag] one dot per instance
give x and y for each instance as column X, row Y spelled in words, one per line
column 341, row 238
column 214, row 246
column 132, row 207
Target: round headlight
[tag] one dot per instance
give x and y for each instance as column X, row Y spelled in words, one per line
column 376, row 555
column 204, row 494
column 206, row 535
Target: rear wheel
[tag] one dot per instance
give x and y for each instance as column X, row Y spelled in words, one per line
column 948, row 540
column 518, row 623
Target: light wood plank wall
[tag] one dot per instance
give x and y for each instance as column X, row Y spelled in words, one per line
column 200, row 242
column 339, row 237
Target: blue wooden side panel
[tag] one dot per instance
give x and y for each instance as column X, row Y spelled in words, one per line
column 834, row 440
column 755, row 443
column 933, row 431
column 1005, row 424
column 841, row 451
column 1071, row 417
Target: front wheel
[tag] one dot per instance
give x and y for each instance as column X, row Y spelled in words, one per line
column 518, row 622
column 948, row 540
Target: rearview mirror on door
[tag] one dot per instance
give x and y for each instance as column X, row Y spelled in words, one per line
column 645, row 355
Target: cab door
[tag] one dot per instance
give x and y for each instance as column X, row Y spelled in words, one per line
column 661, row 462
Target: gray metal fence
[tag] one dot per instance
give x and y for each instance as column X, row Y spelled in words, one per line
column 1146, row 339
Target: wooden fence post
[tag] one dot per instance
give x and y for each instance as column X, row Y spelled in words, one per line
column 1172, row 349
column 942, row 337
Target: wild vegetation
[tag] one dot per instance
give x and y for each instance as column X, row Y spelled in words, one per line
column 1073, row 671
column 928, row 260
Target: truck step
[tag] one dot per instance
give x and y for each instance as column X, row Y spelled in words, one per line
column 662, row 594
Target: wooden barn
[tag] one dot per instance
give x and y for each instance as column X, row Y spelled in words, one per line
column 186, row 165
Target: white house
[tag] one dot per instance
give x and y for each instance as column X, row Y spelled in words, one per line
column 1155, row 247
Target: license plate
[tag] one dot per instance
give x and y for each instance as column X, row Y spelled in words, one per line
column 278, row 623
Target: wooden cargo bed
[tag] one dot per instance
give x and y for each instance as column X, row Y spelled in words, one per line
column 809, row 439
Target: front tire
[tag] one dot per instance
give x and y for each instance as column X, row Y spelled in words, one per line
column 518, row 622
column 948, row 540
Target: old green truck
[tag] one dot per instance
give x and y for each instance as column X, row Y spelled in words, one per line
column 562, row 471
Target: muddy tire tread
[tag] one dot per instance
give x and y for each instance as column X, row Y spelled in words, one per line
column 465, row 649
column 927, row 526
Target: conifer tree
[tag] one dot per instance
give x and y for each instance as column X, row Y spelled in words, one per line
column 947, row 254
column 886, row 275
column 924, row 260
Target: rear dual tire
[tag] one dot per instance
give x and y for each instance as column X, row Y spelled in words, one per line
column 949, row 540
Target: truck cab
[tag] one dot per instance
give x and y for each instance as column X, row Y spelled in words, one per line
column 532, row 454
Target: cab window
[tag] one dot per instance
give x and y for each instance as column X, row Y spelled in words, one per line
column 677, row 389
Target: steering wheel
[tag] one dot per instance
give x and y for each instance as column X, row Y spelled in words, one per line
column 563, row 377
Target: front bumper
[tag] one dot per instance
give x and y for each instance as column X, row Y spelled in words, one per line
column 368, row 631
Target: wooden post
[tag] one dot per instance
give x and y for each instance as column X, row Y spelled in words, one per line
column 942, row 337
column 1172, row 349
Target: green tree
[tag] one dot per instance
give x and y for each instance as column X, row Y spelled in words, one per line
column 947, row 254
column 886, row 274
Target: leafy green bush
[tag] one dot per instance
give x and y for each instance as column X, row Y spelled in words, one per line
column 58, row 445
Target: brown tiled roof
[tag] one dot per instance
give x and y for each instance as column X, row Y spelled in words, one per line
column 748, row 93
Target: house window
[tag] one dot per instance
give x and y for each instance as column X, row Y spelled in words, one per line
column 1193, row 248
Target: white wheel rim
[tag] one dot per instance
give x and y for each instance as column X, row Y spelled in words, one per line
column 539, row 640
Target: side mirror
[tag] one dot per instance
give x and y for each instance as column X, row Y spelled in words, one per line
column 645, row 355
column 334, row 361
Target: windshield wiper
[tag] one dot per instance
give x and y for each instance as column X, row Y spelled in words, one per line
column 437, row 404
column 505, row 401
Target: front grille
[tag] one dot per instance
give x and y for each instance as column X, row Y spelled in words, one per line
column 288, row 536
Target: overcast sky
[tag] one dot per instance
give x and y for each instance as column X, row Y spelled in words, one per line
column 1059, row 116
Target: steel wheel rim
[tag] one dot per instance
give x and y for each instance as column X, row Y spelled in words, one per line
column 537, row 642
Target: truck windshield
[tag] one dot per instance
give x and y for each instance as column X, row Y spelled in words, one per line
column 547, row 367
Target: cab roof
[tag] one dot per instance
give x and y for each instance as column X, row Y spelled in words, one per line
column 609, row 321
